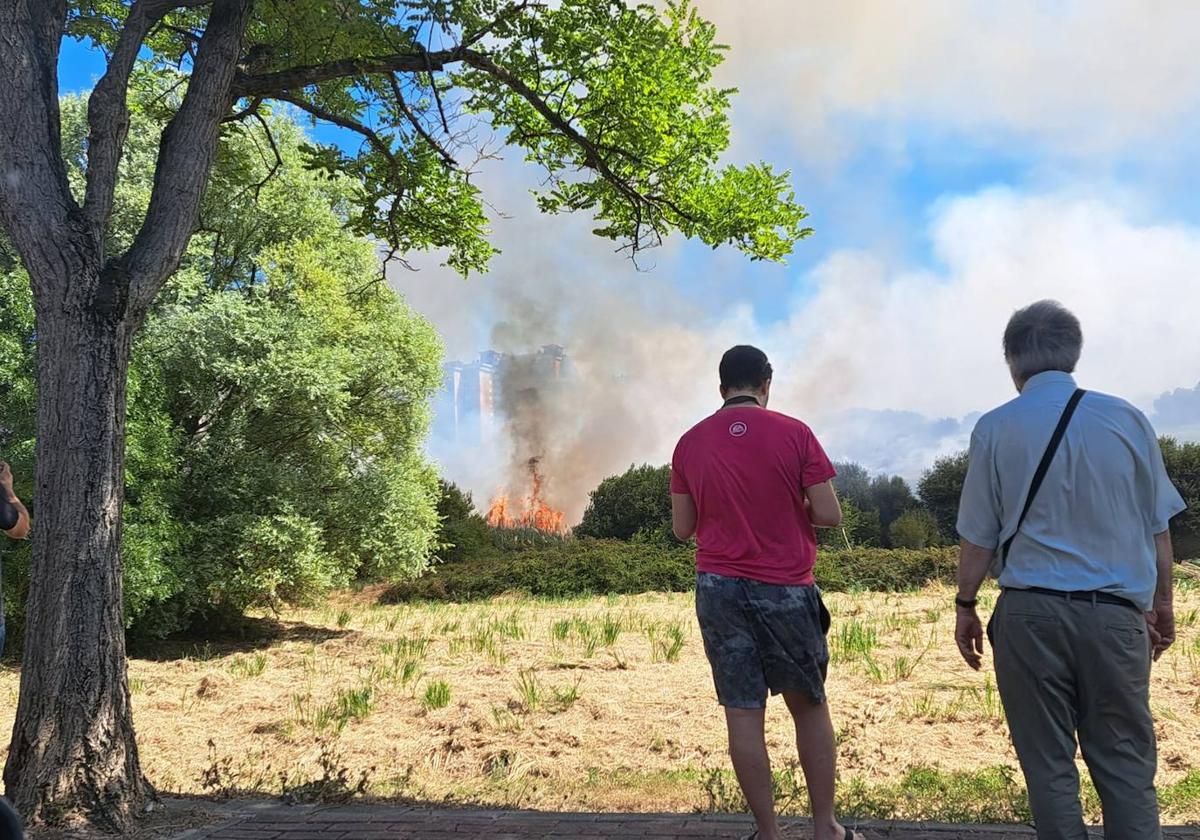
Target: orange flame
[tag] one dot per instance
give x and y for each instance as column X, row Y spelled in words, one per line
column 530, row 512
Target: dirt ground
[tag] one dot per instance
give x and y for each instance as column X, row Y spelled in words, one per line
column 597, row 704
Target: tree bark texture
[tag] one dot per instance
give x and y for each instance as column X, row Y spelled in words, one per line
column 73, row 745
column 73, row 748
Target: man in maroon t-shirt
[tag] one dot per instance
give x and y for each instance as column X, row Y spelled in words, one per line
column 750, row 485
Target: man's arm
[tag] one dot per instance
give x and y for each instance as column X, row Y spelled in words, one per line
column 1161, row 618
column 683, row 516
column 973, row 564
column 824, row 509
column 14, row 517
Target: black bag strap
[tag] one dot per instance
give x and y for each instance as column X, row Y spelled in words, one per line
column 1040, row 475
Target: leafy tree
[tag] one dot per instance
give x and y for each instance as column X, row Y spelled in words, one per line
column 915, row 528
column 859, row 527
column 638, row 500
column 614, row 102
column 276, row 408
column 940, row 489
column 890, row 496
column 1183, row 465
column 462, row 532
column 853, row 482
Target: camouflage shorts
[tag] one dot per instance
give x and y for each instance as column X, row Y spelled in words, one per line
column 762, row 637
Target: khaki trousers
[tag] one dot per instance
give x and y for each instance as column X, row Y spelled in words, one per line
column 1074, row 667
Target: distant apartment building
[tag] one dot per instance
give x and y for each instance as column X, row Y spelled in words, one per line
column 467, row 406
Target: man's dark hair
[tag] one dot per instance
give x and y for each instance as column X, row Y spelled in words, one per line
column 744, row 367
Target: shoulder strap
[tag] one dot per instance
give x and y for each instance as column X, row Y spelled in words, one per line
column 1040, row 475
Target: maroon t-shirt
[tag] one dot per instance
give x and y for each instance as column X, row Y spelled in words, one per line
column 746, row 469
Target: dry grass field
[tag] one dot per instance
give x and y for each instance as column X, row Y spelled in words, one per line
column 597, row 704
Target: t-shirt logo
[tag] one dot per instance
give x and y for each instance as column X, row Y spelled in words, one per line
column 738, row 429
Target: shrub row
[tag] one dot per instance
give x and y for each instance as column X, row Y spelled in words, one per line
column 600, row 567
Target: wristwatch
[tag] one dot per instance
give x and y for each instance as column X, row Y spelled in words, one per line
column 964, row 603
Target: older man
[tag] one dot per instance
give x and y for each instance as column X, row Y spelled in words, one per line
column 1067, row 493
column 750, row 484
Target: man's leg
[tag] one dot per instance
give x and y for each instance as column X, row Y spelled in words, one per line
column 1035, row 676
column 1116, row 730
column 818, row 759
column 752, row 764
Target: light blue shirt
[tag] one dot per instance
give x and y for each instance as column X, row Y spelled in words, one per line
column 1105, row 496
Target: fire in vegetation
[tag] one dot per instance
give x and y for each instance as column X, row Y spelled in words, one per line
column 530, row 511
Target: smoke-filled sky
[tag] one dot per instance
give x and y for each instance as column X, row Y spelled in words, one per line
column 959, row 158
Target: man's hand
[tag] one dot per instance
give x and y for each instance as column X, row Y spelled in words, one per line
column 968, row 633
column 1160, row 622
column 6, row 479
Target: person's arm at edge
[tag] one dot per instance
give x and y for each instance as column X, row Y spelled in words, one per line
column 20, row 530
column 1161, row 618
column 973, row 564
column 824, row 509
column 683, row 516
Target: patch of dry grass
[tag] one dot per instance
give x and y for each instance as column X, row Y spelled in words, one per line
column 602, row 703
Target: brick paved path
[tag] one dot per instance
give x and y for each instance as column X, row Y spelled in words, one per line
column 382, row 822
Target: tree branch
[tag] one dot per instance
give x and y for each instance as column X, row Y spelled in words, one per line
column 108, row 112
column 186, row 156
column 37, row 209
column 297, row 78
column 446, row 157
column 369, row 134
column 592, row 157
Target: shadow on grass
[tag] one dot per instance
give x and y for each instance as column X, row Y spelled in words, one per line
column 244, row 636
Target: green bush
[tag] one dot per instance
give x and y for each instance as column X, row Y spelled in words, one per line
column 278, row 400
column 462, row 532
column 568, row 568
column 884, row 569
column 600, row 567
column 638, row 500
column 916, row 528
column 859, row 527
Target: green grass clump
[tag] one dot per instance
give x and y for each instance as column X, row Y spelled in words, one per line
column 437, row 696
column 246, row 667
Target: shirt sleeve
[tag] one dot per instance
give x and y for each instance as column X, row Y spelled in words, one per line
column 1167, row 501
column 678, row 481
column 979, row 511
column 817, row 467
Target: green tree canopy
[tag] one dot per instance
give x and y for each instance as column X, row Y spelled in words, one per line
column 940, row 489
column 278, row 396
column 915, row 528
column 637, row 500
column 1183, row 465
column 853, row 483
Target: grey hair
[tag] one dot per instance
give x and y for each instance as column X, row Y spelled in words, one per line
column 1043, row 336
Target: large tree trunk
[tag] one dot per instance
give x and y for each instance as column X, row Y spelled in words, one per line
column 73, row 744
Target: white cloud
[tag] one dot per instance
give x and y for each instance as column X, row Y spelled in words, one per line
column 1081, row 76
column 929, row 341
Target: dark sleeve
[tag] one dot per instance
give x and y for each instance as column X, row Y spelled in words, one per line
column 9, row 515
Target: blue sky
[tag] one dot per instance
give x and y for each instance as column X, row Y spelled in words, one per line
column 958, row 157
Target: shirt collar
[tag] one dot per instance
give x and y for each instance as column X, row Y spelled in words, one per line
column 1048, row 378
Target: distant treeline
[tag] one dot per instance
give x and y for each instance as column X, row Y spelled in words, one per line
column 880, row 510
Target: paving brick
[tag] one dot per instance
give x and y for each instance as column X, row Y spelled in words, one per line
column 382, row 822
